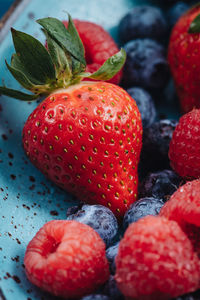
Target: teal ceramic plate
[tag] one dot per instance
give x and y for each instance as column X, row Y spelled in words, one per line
column 27, row 198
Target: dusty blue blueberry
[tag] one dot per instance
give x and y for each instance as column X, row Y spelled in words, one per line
column 112, row 290
column 100, row 218
column 170, row 2
column 73, row 209
column 169, row 94
column 145, row 104
column 143, row 22
column 191, row 296
column 111, row 253
column 175, row 12
column 146, row 64
column 96, row 297
column 156, row 139
column 161, row 184
column 142, row 208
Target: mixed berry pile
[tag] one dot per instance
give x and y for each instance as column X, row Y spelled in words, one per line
column 136, row 232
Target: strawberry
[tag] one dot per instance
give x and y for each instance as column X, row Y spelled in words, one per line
column 85, row 136
column 98, row 44
column 184, row 148
column 67, row 259
column 184, row 58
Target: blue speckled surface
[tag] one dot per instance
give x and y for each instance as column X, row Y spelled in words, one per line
column 27, row 199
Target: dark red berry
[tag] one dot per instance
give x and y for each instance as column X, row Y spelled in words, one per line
column 99, row 46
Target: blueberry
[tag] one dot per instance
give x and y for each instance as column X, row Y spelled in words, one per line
column 161, row 184
column 142, row 208
column 156, row 139
column 143, row 22
column 111, row 253
column 175, row 12
column 170, row 2
column 145, row 104
column 100, row 218
column 96, row 297
column 170, row 95
column 73, row 209
column 146, row 64
column 191, row 296
column 112, row 290
column 191, row 2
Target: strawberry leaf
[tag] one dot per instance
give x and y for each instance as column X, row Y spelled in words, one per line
column 60, row 57
column 111, row 67
column 20, row 77
column 77, row 68
column 43, row 71
column 195, row 25
column 17, row 94
column 16, row 63
column 34, row 57
column 63, row 37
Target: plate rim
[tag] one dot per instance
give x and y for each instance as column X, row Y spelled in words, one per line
column 10, row 16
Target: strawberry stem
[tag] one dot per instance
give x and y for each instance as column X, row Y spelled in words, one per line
column 42, row 71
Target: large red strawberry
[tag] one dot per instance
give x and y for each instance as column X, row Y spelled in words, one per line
column 98, row 44
column 86, row 137
column 184, row 58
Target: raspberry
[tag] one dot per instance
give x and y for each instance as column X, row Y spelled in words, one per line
column 67, row 259
column 184, row 208
column 99, row 46
column 184, row 149
column 156, row 261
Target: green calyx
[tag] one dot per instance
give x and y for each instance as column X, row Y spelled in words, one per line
column 195, row 25
column 42, row 71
